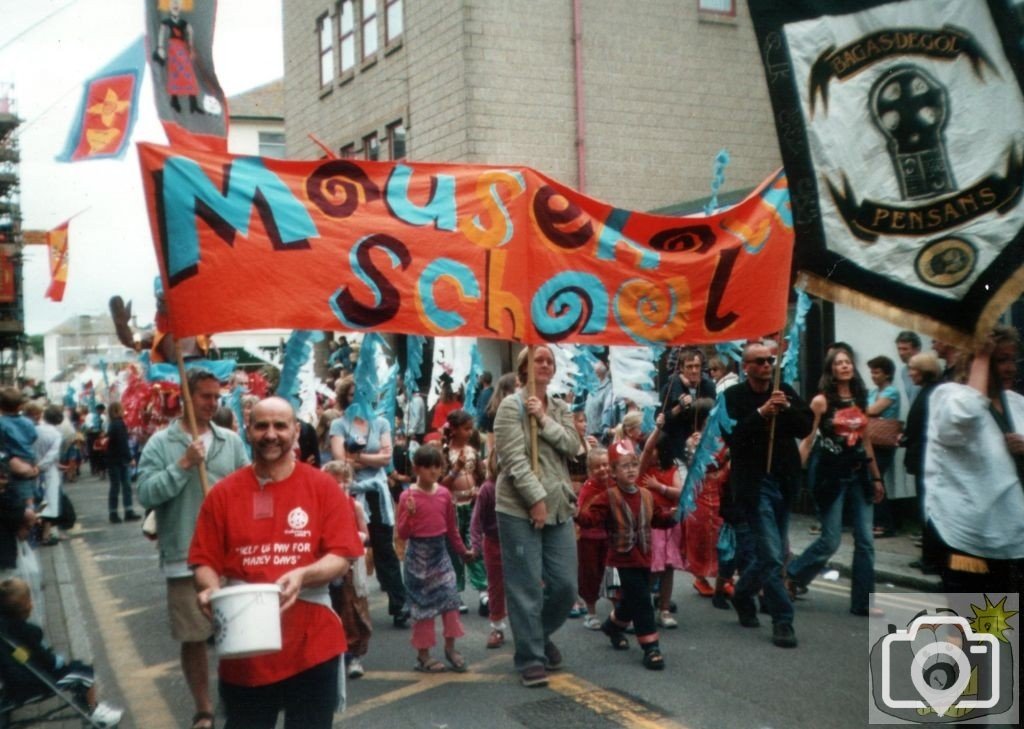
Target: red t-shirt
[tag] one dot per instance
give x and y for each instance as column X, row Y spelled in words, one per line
column 588, row 491
column 666, row 477
column 253, row 534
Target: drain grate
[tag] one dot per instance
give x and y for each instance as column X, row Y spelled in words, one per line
column 562, row 712
column 601, row 709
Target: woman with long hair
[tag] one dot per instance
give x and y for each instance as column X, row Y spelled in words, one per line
column 535, row 516
column 843, row 471
column 364, row 441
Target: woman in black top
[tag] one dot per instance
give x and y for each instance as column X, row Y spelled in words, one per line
column 119, row 464
column 845, row 472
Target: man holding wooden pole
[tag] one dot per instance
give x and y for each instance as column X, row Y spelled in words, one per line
column 172, row 476
column 765, row 474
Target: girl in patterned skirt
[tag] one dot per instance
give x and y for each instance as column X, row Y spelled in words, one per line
column 426, row 518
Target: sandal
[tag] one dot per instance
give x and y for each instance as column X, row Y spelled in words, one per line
column 496, row 639
column 202, row 720
column 653, row 660
column 615, row 635
column 456, row 661
column 431, row 665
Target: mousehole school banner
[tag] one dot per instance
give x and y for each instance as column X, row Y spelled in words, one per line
column 901, row 126
column 454, row 250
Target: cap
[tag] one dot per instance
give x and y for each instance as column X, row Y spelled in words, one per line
column 620, row 449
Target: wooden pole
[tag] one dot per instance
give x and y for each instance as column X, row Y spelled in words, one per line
column 531, row 389
column 190, row 413
column 776, row 379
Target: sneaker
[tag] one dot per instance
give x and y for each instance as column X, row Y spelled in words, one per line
column 665, row 620
column 534, row 677
column 592, row 622
column 131, row 516
column 114, row 518
column 463, row 607
column 552, row 657
column 105, row 715
column 783, row 635
column 355, row 668
column 401, row 620
column 484, row 608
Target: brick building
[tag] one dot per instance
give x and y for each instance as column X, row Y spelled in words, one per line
column 633, row 113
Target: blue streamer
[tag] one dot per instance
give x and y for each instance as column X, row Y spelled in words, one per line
column 103, row 371
column 297, row 350
column 413, row 361
column 586, row 381
column 367, row 388
column 791, row 359
column 718, row 424
column 721, row 162
column 476, row 368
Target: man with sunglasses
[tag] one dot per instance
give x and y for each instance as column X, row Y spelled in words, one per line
column 764, row 490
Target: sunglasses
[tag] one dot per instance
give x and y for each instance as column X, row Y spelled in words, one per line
column 761, row 361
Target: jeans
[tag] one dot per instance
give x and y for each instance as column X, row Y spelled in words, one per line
column 308, row 700
column 769, row 521
column 540, row 583
column 851, row 489
column 120, row 485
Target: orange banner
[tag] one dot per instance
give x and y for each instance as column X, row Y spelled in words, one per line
column 57, row 240
column 454, row 250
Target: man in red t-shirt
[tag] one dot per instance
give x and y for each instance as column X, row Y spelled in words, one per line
column 279, row 521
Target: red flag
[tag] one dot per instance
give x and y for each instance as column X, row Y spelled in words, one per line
column 57, row 241
column 109, row 106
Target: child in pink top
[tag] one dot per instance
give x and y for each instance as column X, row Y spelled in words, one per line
column 426, row 518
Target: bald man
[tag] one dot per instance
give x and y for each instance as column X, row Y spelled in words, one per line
column 284, row 522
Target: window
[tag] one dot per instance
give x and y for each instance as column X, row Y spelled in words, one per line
column 326, row 37
column 369, row 28
column 723, row 7
column 396, row 140
column 271, row 144
column 347, row 34
column 371, row 147
column 392, row 21
column 348, row 151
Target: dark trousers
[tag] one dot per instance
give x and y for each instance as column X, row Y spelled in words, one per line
column 387, row 566
column 308, row 700
column 634, row 603
column 120, row 487
column 385, row 560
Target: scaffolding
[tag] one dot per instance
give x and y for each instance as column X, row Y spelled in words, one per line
column 13, row 343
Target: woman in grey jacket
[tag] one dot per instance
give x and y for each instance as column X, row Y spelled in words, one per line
column 535, row 511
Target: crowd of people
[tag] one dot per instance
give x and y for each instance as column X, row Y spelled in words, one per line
column 543, row 505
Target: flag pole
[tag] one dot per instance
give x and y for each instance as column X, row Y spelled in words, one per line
column 190, row 413
column 531, row 389
column 776, row 379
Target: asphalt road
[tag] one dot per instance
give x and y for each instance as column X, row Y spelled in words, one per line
column 718, row 675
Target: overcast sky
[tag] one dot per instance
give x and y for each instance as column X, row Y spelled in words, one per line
column 47, row 49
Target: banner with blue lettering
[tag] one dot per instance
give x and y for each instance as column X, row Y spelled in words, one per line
column 454, row 250
column 901, row 125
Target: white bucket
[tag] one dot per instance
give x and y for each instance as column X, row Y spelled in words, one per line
column 246, row 620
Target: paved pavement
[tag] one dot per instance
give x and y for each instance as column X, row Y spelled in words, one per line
column 97, row 554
